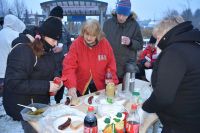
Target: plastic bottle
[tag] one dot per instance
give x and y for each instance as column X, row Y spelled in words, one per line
column 108, row 76
column 56, row 80
column 135, row 99
column 110, row 92
column 133, row 120
column 90, row 121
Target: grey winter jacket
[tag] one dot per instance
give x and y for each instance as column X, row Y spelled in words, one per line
column 114, row 31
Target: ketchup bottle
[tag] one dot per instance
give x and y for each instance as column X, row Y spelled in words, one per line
column 58, row 81
column 108, row 76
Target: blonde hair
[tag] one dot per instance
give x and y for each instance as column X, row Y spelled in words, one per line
column 166, row 24
column 93, row 28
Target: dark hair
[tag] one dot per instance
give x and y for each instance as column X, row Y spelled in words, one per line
column 38, row 47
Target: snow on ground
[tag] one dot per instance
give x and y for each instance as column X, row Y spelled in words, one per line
column 7, row 125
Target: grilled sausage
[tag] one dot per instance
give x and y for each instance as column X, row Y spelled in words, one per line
column 65, row 125
column 90, row 99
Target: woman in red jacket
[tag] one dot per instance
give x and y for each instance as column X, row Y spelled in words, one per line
column 85, row 65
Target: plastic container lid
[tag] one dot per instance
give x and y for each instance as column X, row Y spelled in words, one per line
column 136, row 93
column 107, row 120
column 133, row 107
column 108, row 69
column 119, row 115
column 90, row 109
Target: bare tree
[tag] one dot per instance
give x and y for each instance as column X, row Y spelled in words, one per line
column 196, row 19
column 170, row 13
column 187, row 15
column 20, row 8
column 27, row 19
column 3, row 7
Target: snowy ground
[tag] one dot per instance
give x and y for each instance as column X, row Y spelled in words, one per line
column 7, row 125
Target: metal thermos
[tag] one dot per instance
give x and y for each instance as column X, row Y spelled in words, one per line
column 129, row 77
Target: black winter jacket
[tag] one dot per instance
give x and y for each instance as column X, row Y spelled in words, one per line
column 176, row 80
column 24, row 81
column 114, row 31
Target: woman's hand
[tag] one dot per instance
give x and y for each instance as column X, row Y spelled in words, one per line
column 147, row 64
column 54, row 87
column 72, row 92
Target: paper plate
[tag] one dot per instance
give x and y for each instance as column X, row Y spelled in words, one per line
column 64, row 100
column 63, row 119
column 116, row 101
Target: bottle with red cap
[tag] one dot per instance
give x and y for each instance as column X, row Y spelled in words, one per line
column 108, row 76
column 58, row 81
column 133, row 120
column 90, row 121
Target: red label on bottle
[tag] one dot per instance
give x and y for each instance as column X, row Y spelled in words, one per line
column 57, row 80
column 52, row 93
column 126, row 115
column 90, row 129
column 132, row 128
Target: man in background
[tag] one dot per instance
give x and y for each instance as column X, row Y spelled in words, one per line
column 123, row 33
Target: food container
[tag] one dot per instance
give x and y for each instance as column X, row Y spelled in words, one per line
column 109, row 110
column 28, row 115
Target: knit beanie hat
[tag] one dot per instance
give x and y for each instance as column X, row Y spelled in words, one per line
column 152, row 40
column 52, row 28
column 124, row 7
column 57, row 12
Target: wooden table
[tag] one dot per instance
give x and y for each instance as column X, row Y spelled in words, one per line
column 149, row 120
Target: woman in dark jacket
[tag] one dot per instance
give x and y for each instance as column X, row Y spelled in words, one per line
column 30, row 70
column 176, row 77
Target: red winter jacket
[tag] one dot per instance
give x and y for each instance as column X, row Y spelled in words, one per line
column 83, row 63
column 147, row 54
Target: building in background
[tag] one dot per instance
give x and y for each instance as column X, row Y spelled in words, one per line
column 77, row 11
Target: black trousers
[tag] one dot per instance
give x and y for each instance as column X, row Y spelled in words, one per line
column 91, row 87
column 59, row 95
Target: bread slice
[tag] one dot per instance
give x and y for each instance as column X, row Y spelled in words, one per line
column 76, row 124
column 75, row 102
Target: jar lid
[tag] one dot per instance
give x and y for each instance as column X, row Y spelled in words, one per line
column 90, row 109
column 133, row 107
column 107, row 120
column 136, row 93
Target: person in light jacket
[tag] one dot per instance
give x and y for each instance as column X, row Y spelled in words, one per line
column 12, row 26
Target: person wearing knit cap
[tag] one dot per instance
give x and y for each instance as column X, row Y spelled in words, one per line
column 147, row 58
column 60, row 49
column 30, row 71
column 56, row 12
column 123, row 33
column 124, row 7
